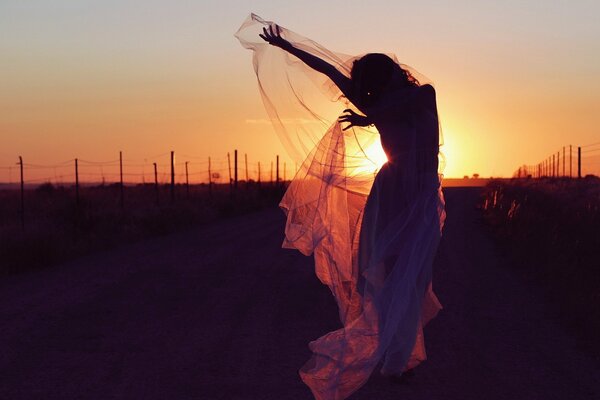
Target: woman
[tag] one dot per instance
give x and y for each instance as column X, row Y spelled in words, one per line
column 374, row 252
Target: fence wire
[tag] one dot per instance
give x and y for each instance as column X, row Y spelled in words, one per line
column 568, row 161
column 154, row 169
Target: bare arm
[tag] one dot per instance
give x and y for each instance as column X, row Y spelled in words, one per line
column 273, row 37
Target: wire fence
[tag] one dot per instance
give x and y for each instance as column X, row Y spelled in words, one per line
column 569, row 161
column 162, row 168
column 161, row 171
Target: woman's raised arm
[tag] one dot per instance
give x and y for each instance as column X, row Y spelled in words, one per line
column 273, row 37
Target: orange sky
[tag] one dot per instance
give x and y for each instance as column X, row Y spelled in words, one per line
column 516, row 81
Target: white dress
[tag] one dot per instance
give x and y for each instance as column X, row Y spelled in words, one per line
column 374, row 237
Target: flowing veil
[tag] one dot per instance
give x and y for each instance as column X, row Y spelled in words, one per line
column 325, row 205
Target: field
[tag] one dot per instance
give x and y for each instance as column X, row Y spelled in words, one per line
column 549, row 227
column 56, row 227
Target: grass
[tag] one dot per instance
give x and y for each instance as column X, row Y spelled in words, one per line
column 57, row 228
column 550, row 229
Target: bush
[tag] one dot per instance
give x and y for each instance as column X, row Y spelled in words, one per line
column 550, row 228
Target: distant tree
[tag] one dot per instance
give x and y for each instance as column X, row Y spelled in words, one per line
column 475, row 176
column 466, row 177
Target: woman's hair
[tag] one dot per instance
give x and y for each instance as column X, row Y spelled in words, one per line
column 373, row 72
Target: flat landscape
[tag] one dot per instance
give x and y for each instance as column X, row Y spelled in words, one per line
column 222, row 312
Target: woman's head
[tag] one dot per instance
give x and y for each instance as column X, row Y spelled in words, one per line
column 372, row 73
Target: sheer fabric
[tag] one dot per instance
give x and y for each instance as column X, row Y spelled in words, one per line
column 373, row 230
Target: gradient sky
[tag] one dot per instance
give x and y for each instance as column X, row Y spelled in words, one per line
column 516, row 80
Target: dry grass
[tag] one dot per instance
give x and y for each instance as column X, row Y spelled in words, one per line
column 57, row 229
column 550, row 228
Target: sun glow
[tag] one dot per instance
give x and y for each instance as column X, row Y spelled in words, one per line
column 372, row 157
column 376, row 154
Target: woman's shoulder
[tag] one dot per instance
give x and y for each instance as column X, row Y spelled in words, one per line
column 426, row 91
column 411, row 92
column 425, row 96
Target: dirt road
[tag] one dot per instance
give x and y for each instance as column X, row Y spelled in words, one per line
column 222, row 312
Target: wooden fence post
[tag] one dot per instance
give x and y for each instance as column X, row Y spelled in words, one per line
column 156, row 181
column 235, row 169
column 187, row 180
column 258, row 177
column 77, row 182
column 121, row 178
column 22, row 194
column 563, row 159
column 246, row 165
column 579, row 161
column 229, row 166
column 570, row 161
column 209, row 179
column 277, row 173
column 172, row 176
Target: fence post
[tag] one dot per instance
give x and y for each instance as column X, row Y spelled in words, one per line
column 558, row 164
column 229, row 166
column 553, row 165
column 172, row 176
column 570, row 161
column 246, row 164
column 22, row 194
column 235, row 169
column 563, row 174
column 121, row 178
column 271, row 179
column 258, row 178
column 187, row 180
column 156, row 182
column 579, row 161
column 277, row 173
column 76, row 182
column 209, row 179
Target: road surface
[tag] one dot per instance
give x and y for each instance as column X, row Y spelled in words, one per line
column 222, row 312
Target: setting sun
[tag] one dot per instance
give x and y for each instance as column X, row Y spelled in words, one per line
column 376, row 154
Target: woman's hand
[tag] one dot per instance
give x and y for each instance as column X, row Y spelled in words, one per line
column 273, row 37
column 354, row 119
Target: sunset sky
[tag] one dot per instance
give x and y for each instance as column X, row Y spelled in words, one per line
column 516, row 80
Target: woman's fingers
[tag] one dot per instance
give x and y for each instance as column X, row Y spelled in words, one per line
column 270, row 34
column 265, row 35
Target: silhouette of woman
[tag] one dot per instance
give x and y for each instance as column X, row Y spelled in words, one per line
column 374, row 252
